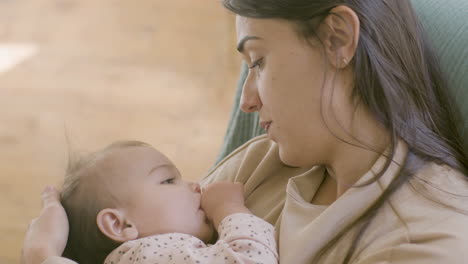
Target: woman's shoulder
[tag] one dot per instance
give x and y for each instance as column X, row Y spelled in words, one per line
column 434, row 203
column 441, row 186
column 426, row 219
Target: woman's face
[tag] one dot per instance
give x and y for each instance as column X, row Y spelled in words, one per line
column 284, row 85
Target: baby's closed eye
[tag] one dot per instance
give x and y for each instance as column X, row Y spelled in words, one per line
column 168, row 181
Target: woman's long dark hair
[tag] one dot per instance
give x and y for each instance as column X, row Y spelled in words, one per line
column 397, row 77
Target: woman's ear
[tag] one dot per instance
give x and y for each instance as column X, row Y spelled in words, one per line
column 116, row 226
column 340, row 35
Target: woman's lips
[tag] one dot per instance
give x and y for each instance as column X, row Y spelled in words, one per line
column 266, row 125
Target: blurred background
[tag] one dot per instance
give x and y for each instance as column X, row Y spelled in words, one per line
column 163, row 72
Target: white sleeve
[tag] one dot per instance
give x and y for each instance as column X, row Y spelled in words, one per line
column 58, row 260
column 244, row 238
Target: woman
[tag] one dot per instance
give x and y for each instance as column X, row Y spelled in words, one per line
column 363, row 161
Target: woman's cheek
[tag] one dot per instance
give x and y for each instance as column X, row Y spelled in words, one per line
column 262, row 86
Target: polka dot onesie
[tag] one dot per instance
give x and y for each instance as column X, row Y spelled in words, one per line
column 243, row 238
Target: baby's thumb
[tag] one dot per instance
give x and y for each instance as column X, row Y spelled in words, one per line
column 50, row 196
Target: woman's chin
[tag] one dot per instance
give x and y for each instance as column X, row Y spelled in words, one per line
column 288, row 159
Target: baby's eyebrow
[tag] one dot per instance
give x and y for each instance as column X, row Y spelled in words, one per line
column 159, row 166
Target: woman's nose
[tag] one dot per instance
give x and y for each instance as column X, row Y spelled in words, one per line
column 195, row 186
column 250, row 99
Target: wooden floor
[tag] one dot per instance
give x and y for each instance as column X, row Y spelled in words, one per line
column 97, row 71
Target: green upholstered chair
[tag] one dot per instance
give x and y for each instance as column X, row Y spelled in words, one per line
column 446, row 23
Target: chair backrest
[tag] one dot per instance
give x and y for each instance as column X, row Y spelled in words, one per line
column 446, row 24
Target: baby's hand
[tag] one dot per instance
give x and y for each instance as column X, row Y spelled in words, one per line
column 221, row 199
column 47, row 235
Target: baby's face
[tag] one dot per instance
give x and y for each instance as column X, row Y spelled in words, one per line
column 154, row 196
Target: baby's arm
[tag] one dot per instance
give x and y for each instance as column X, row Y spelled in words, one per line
column 221, row 199
column 241, row 234
column 244, row 238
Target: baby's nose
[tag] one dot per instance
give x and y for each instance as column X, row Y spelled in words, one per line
column 195, row 187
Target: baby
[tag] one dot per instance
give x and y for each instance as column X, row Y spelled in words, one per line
column 128, row 204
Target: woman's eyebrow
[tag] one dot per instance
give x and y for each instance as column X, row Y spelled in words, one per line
column 240, row 46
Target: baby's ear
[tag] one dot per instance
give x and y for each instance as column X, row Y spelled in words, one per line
column 115, row 226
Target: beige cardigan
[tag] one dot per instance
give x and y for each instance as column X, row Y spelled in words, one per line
column 409, row 228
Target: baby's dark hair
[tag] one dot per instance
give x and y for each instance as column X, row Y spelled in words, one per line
column 83, row 199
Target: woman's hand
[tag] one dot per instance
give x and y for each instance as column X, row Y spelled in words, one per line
column 47, row 234
column 221, row 199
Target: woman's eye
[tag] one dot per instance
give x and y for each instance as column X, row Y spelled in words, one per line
column 257, row 63
column 168, row 181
